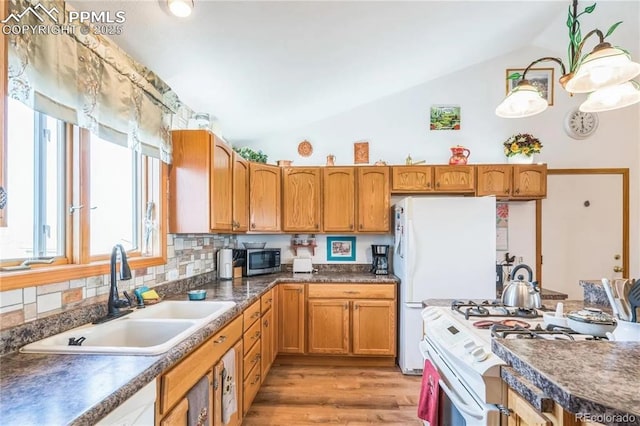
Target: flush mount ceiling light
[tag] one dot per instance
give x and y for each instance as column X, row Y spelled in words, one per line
column 606, row 73
column 180, row 8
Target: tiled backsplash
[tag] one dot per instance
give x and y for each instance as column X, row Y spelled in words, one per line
column 187, row 255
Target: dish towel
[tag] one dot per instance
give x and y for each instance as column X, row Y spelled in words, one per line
column 229, row 397
column 429, row 392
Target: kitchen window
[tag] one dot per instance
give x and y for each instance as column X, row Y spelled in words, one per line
column 72, row 195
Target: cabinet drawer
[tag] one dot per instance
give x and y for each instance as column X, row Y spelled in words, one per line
column 251, row 314
column 266, row 301
column 252, row 358
column 177, row 381
column 251, row 387
column 352, row 291
column 251, row 336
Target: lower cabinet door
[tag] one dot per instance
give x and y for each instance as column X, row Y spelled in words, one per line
column 228, row 384
column 251, row 387
column 177, row 416
column 374, row 327
column 267, row 342
column 328, row 326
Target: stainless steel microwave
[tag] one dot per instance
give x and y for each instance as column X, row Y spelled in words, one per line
column 257, row 261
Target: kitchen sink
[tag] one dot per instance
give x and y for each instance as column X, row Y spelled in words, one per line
column 150, row 331
column 179, row 309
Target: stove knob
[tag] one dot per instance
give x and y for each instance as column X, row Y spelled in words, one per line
column 469, row 345
column 479, row 354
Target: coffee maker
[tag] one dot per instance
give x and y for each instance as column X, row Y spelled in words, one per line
column 380, row 264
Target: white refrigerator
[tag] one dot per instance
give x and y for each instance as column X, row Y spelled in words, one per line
column 444, row 248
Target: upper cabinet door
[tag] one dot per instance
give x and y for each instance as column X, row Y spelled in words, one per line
column 189, row 182
column 301, row 195
column 264, row 197
column 338, row 196
column 530, row 181
column 221, row 186
column 240, row 222
column 454, row 178
column 373, row 199
column 494, row 180
column 411, row 179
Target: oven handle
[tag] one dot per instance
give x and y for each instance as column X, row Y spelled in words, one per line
column 460, row 405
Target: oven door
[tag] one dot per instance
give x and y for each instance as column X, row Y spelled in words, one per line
column 457, row 405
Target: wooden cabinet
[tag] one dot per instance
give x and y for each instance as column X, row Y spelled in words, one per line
column 301, row 192
column 374, row 327
column 291, row 318
column 338, row 199
column 512, row 181
column 373, row 199
column 200, row 183
column 352, row 319
column 453, row 179
column 328, row 326
column 411, row 179
column 530, row 181
column 253, row 353
column 240, row 221
column 202, row 364
column 269, row 331
column 264, row 197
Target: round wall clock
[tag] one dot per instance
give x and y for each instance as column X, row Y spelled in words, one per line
column 304, row 148
column 580, row 125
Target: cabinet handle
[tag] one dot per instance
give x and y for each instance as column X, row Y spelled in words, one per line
column 255, row 315
column 351, row 292
column 346, row 306
column 317, row 226
column 266, row 323
column 360, row 226
column 299, row 290
column 256, row 358
column 253, row 225
column 256, row 335
column 220, row 339
column 256, row 379
column 518, row 191
column 351, row 226
column 428, row 184
column 355, row 306
column 437, row 184
column 506, row 191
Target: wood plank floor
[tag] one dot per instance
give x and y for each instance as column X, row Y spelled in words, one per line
column 306, row 395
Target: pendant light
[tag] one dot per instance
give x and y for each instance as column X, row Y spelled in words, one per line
column 606, row 73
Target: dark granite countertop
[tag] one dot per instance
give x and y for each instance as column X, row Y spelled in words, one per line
column 589, row 377
column 43, row 389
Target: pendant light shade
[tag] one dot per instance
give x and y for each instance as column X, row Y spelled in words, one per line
column 523, row 101
column 180, row 8
column 612, row 97
column 605, row 66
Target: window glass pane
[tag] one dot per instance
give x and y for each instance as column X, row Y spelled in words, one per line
column 53, row 193
column 16, row 240
column 113, row 198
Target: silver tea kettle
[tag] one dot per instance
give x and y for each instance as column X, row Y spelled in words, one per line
column 521, row 293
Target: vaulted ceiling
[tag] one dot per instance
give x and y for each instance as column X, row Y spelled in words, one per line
column 264, row 66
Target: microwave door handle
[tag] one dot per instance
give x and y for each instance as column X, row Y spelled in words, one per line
column 459, row 403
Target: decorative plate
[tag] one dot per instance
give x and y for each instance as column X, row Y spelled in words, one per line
column 305, row 149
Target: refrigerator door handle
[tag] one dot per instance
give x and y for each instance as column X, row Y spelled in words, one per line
column 414, row 305
column 411, row 250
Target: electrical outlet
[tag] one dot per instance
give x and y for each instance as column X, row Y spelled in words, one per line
column 520, row 259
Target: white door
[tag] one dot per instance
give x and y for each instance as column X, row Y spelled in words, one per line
column 581, row 230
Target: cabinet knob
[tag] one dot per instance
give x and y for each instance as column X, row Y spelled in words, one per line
column 317, row 226
column 346, row 306
column 518, row 191
column 437, row 184
column 360, row 226
column 351, row 226
column 428, row 184
column 266, row 323
column 221, row 339
column 355, row 306
column 253, row 225
column 299, row 290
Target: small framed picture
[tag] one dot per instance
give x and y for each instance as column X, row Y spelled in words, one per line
column 341, row 248
column 541, row 78
column 361, row 153
column 444, row 117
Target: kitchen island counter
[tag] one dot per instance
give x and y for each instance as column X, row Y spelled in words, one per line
column 596, row 378
column 82, row 389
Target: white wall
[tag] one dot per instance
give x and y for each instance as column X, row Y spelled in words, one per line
column 397, row 126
